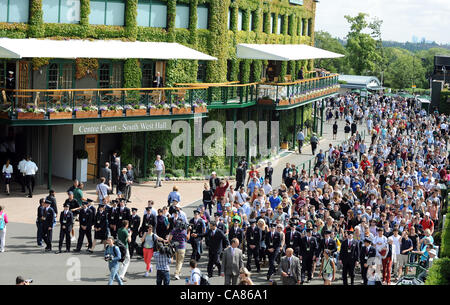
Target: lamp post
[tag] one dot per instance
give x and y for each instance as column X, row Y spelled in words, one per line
column 444, row 70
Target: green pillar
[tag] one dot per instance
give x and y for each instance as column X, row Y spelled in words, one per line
column 186, row 163
column 234, row 141
column 279, row 129
column 321, row 118
column 50, row 157
column 302, row 112
column 295, row 129
column 247, row 137
column 269, row 127
column 315, row 114
column 145, row 153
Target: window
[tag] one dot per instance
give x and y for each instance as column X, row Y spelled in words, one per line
column 182, row 16
column 202, row 17
column 147, row 74
column 201, row 72
column 309, row 27
column 61, row 11
column 280, row 24
column 252, row 21
column 272, row 23
column 229, row 18
column 152, row 13
column 240, row 13
column 14, row 10
column 304, row 27
column 53, row 76
column 103, row 79
column 107, row 12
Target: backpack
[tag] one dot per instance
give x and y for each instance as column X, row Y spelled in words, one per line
column 2, row 221
column 122, row 249
column 204, row 280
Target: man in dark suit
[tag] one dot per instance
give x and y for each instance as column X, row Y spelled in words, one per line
column 286, row 172
column 111, row 212
column 215, row 239
column 214, row 182
column 367, row 252
column 198, row 227
column 158, row 81
column 130, row 178
column 290, row 268
column 85, row 227
column 115, row 173
column 268, row 172
column 236, row 232
column 51, row 197
column 253, row 239
column 328, row 243
column 273, row 243
column 107, row 173
column 40, row 221
column 135, row 222
column 66, row 221
column 240, row 176
column 122, row 213
column 308, row 250
column 292, row 239
column 348, row 256
column 47, row 225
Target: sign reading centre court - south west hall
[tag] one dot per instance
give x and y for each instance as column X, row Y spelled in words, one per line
column 118, row 127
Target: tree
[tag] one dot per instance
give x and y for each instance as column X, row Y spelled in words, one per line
column 404, row 69
column 325, row 41
column 361, row 47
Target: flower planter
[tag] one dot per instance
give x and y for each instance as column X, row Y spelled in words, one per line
column 265, row 101
column 284, row 145
column 111, row 113
column 86, row 114
column 81, row 170
column 136, row 112
column 30, row 116
column 155, row 111
column 200, row 109
column 181, row 110
column 4, row 115
column 283, row 102
column 59, row 115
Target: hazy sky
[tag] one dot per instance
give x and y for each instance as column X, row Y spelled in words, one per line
column 402, row 19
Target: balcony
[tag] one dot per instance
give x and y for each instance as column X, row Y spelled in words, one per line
column 185, row 101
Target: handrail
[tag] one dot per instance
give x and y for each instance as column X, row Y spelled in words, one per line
column 206, row 84
column 241, row 85
column 301, row 80
column 103, row 89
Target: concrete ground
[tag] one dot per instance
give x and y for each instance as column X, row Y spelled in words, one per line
column 23, row 257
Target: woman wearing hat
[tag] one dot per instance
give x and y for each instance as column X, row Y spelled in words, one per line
column 244, row 277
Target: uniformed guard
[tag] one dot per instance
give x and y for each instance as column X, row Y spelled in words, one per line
column 112, row 218
column 149, row 219
column 85, row 219
column 66, row 221
column 47, row 225
column 292, row 238
column 198, row 227
column 135, row 222
column 308, row 250
column 367, row 252
column 236, row 232
column 100, row 225
column 328, row 243
column 273, row 243
column 253, row 238
column 123, row 213
column 348, row 256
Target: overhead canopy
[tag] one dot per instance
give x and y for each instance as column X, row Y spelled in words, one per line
column 114, row 49
column 282, row 52
column 360, row 82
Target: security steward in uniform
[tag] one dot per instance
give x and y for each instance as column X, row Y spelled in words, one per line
column 253, row 238
column 66, row 222
column 47, row 225
column 111, row 212
column 292, row 239
column 135, row 222
column 122, row 213
column 348, row 256
column 308, row 250
column 85, row 219
column 215, row 239
column 328, row 243
column 100, row 225
column 367, row 251
column 198, row 226
column 273, row 243
column 149, row 219
column 236, row 232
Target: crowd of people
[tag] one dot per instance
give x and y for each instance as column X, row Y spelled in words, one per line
column 367, row 206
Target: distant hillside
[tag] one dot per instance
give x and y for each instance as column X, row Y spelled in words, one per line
column 415, row 47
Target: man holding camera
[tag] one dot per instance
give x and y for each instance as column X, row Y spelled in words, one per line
column 179, row 236
column 163, row 260
column 112, row 256
column 197, row 226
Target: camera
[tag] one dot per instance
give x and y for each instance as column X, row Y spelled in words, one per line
column 183, row 226
column 29, row 281
column 108, row 257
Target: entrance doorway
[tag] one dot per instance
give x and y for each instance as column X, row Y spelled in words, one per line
column 91, row 146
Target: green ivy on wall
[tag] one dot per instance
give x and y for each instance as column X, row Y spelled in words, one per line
column 38, row 62
column 131, row 19
column 85, row 10
column 36, row 19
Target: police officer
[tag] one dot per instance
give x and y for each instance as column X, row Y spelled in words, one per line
column 111, row 212
column 198, row 227
column 308, row 250
column 66, row 222
column 85, row 219
column 135, row 222
column 100, row 225
column 47, row 225
column 273, row 243
column 123, row 213
column 149, row 219
column 253, row 238
column 348, row 256
column 236, row 232
column 367, row 252
column 40, row 220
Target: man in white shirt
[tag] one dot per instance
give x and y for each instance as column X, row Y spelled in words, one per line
column 30, row 170
column 160, row 169
column 21, row 168
column 194, row 279
column 267, row 187
column 381, row 244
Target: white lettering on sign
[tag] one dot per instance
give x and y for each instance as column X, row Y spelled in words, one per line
column 112, row 127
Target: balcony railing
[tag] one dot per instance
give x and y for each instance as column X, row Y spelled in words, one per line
column 42, row 104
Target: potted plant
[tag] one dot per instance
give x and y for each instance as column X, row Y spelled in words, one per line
column 135, row 110
column 181, row 108
column 160, row 109
column 60, row 112
column 31, row 112
column 284, row 101
column 199, row 106
column 265, row 100
column 4, row 111
column 86, row 111
column 285, row 144
column 82, row 165
column 111, row 111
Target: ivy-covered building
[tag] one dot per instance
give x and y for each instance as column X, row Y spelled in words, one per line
column 231, row 91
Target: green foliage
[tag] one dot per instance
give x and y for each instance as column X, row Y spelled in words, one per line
column 38, row 62
column 245, row 71
column 444, row 105
column 403, row 69
column 130, row 19
column 445, row 239
column 83, row 65
column 36, row 20
column 85, row 10
column 283, row 71
column 439, row 273
column 81, row 154
column 132, row 75
column 325, row 41
column 257, row 70
column 266, row 25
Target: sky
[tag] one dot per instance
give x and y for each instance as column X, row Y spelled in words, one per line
column 402, row 19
